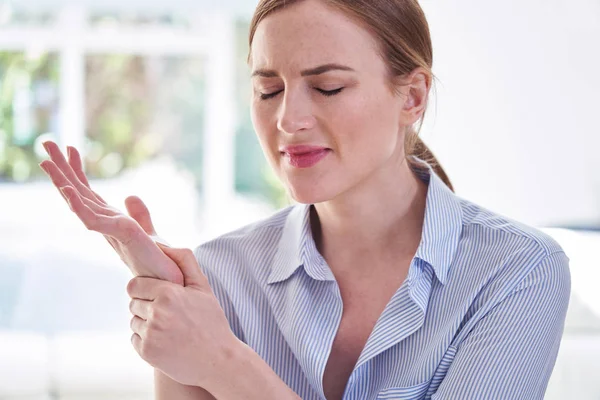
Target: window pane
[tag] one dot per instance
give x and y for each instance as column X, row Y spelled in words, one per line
column 28, row 112
column 11, row 16
column 140, row 107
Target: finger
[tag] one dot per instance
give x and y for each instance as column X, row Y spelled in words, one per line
column 141, row 308
column 85, row 213
column 50, row 169
column 136, row 341
column 62, row 184
column 77, row 165
column 144, row 288
column 138, row 326
column 101, row 219
column 92, row 205
column 187, row 263
column 59, row 159
column 138, row 211
column 104, row 224
column 56, row 175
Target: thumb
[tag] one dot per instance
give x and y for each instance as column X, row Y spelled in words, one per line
column 187, row 263
column 138, row 211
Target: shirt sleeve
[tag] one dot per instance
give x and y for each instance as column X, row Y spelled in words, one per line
column 208, row 265
column 511, row 351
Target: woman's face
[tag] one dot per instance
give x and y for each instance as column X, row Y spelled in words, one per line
column 322, row 106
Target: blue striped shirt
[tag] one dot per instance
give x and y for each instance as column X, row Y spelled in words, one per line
column 479, row 316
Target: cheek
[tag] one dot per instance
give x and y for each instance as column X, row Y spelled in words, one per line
column 366, row 127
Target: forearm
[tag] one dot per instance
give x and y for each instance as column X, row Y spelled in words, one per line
column 247, row 376
column 166, row 388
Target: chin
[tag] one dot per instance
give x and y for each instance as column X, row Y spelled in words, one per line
column 310, row 193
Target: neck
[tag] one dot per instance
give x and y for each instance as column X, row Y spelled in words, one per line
column 380, row 218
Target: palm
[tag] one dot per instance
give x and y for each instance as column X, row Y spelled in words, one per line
column 129, row 235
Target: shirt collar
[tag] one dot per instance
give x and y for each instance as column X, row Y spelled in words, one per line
column 439, row 240
column 297, row 248
column 442, row 226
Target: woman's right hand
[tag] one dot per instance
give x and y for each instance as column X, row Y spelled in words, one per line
column 130, row 235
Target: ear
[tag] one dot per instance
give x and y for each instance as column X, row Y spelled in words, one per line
column 415, row 93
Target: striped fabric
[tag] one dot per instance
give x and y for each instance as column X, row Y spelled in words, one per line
column 479, row 316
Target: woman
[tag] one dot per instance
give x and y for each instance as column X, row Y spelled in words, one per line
column 382, row 283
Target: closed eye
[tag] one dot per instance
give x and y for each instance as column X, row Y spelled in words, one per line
column 267, row 96
column 328, row 93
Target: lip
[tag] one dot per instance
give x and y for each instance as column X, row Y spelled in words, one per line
column 305, row 156
column 302, row 149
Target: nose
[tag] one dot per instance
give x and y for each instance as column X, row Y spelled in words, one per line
column 295, row 113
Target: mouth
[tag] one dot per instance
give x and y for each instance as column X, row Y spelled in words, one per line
column 305, row 158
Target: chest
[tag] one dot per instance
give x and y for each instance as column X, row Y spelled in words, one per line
column 363, row 306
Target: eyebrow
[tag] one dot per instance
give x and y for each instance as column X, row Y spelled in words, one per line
column 269, row 73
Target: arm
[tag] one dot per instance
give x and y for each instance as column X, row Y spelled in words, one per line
column 510, row 353
column 166, row 388
column 194, row 337
column 131, row 238
column 254, row 379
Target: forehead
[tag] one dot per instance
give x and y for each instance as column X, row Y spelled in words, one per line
column 310, row 33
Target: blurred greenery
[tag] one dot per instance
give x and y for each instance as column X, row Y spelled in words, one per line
column 27, row 109
column 141, row 107
column 136, row 108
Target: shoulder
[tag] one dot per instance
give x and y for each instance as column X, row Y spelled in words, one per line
column 499, row 257
column 491, row 227
column 236, row 251
column 499, row 250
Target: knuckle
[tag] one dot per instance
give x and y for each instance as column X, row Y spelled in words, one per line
column 158, row 319
column 164, row 301
column 153, row 315
column 132, row 286
column 146, row 350
column 152, row 326
column 142, row 349
column 189, row 254
column 132, row 324
column 166, row 297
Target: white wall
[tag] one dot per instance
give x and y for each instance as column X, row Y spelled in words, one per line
column 515, row 124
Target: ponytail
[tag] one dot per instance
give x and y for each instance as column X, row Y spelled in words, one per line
column 416, row 147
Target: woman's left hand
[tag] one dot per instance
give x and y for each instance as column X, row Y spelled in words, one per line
column 181, row 330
